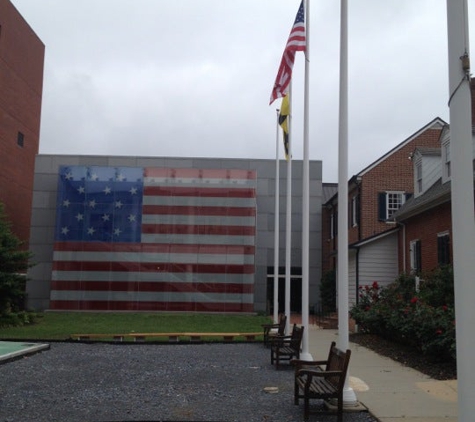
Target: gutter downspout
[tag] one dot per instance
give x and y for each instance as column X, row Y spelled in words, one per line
column 357, row 278
column 403, row 246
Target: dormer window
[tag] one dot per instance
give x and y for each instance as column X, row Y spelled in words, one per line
column 447, row 160
column 419, row 177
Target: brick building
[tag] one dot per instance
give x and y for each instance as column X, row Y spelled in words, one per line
column 374, row 196
column 425, row 238
column 21, row 87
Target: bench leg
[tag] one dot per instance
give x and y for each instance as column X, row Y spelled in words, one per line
column 340, row 408
column 296, row 393
column 306, row 408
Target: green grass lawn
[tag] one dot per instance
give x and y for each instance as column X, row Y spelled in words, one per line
column 59, row 325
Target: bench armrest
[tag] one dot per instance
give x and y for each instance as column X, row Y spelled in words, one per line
column 315, row 373
column 301, row 363
column 270, row 325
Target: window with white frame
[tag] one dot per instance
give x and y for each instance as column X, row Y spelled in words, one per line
column 332, row 226
column 415, row 256
column 447, row 160
column 388, row 203
column 443, row 248
column 419, row 177
column 355, row 211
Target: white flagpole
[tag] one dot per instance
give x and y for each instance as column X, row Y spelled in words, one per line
column 306, row 195
column 276, row 223
column 463, row 218
column 288, row 217
column 349, row 397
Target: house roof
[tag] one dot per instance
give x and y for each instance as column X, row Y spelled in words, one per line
column 437, row 123
column 374, row 237
column 328, row 190
column 437, row 194
column 428, row 151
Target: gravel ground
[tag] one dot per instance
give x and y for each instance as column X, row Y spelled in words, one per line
column 105, row 382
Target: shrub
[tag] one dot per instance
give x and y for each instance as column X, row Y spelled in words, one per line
column 424, row 319
column 13, row 266
column 328, row 291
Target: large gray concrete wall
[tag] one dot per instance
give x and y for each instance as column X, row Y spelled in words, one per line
column 44, row 210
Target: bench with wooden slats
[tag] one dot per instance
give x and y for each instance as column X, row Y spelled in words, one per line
column 286, row 348
column 322, row 380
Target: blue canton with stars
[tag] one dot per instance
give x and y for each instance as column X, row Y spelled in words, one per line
column 99, row 204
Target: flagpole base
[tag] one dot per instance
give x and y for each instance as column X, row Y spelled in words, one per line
column 349, row 397
column 306, row 356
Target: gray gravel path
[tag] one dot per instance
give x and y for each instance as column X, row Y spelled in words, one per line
column 102, row 382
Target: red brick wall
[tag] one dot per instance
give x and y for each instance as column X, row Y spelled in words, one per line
column 395, row 173
column 21, row 76
column 425, row 227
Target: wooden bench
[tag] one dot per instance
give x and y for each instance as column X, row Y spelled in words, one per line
column 272, row 330
column 172, row 337
column 286, row 348
column 322, row 380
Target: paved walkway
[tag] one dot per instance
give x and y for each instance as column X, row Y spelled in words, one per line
column 391, row 391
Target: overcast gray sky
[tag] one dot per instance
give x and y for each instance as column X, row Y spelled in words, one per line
column 193, row 77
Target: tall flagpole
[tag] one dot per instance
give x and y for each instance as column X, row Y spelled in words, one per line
column 342, row 265
column 305, row 195
column 288, row 216
column 463, row 219
column 276, row 223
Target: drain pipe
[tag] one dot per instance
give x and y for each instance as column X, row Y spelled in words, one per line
column 403, row 246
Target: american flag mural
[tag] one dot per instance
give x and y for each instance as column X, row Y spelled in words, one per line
column 154, row 239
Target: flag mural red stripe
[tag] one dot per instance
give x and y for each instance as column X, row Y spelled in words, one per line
column 154, row 239
column 156, row 286
column 210, row 192
column 154, row 248
column 146, row 267
column 200, row 230
column 196, row 210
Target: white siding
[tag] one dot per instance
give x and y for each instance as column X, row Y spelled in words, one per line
column 378, row 262
column 431, row 171
column 352, row 278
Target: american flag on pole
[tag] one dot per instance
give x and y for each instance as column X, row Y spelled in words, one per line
column 296, row 42
column 154, row 239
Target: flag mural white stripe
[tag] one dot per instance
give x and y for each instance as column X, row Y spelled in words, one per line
column 199, row 220
column 158, row 258
column 128, row 296
column 463, row 219
column 342, row 264
column 200, row 201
